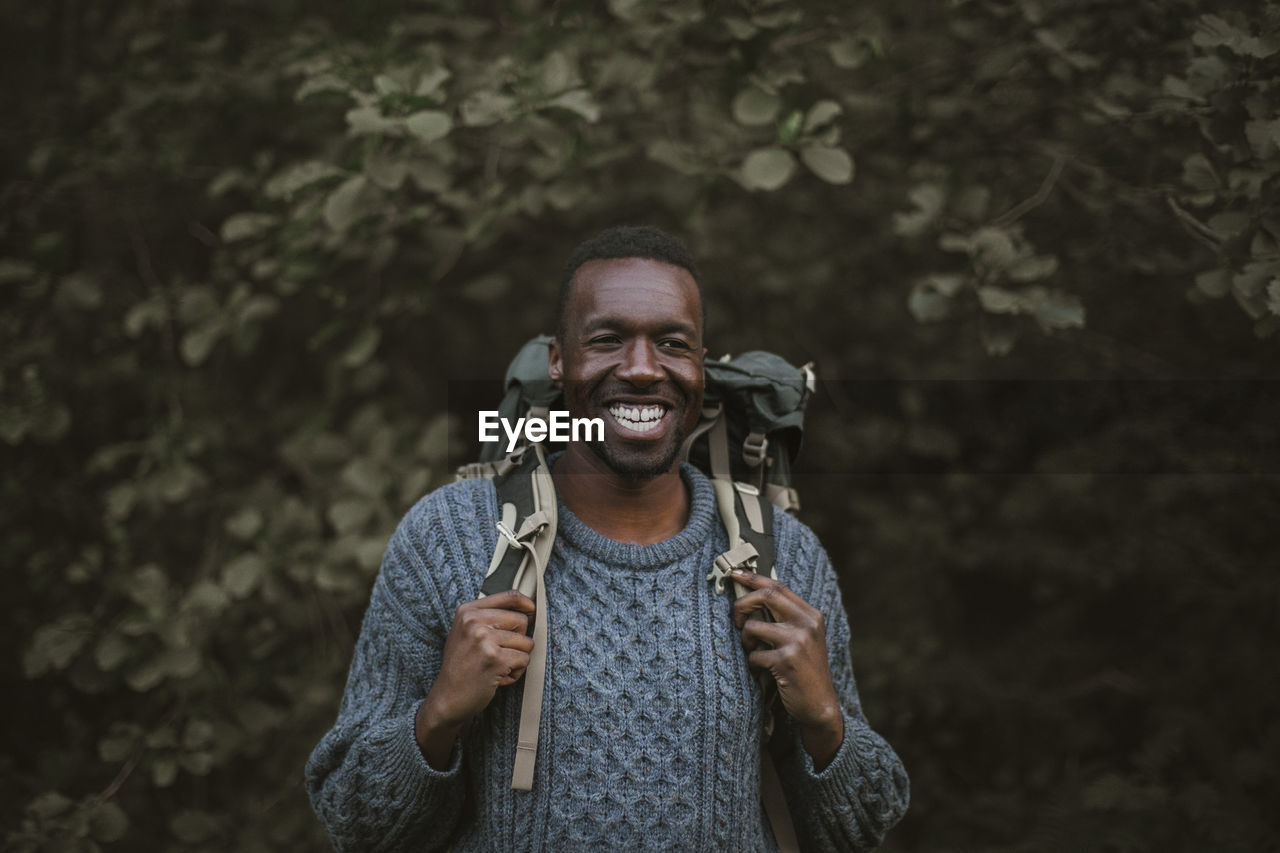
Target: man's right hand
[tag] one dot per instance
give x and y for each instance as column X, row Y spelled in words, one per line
column 487, row 648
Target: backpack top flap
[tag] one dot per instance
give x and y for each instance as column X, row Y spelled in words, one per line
column 762, row 394
column 528, row 386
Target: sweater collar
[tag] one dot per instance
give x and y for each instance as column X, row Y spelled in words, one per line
column 697, row 531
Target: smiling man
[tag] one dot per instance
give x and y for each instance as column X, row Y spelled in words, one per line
column 652, row 718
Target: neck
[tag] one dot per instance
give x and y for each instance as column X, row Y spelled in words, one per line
column 639, row 512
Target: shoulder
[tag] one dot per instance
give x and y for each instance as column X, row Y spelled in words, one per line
column 803, row 564
column 456, row 507
column 438, row 554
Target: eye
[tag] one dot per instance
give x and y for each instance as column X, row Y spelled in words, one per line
column 604, row 340
column 673, row 343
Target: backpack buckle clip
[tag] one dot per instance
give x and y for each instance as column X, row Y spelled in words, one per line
column 741, row 556
column 753, row 449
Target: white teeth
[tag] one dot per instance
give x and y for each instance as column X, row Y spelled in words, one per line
column 638, row 418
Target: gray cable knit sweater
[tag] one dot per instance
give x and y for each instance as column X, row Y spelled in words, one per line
column 651, row 721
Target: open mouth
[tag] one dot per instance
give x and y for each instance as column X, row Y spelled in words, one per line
column 639, row 419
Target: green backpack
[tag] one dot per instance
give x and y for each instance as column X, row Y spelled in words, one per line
column 746, row 441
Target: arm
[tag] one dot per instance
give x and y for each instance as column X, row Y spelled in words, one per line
column 369, row 782
column 845, row 785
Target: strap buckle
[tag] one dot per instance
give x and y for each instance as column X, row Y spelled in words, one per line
column 532, row 526
column 753, row 449
column 741, row 556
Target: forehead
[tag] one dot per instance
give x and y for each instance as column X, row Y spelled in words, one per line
column 637, row 290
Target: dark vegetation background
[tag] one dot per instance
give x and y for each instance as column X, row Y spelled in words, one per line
column 245, row 246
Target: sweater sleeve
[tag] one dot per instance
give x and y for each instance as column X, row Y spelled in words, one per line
column 856, row 799
column 368, row 781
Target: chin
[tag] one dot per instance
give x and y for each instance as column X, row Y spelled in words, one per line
column 638, row 467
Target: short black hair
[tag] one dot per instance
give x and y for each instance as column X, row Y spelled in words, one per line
column 626, row 241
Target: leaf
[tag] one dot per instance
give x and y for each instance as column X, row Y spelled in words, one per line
column 431, row 81
column 370, row 120
column 1198, row 173
column 1214, row 283
column 557, row 73
column 207, row 597
column 200, row 341
column 242, row 226
column 324, row 82
column 429, row 125
column 349, row 514
column 1262, row 136
column 927, row 305
column 145, row 676
column 298, row 177
column 149, row 587
column 1213, row 31
column 164, row 770
column 12, row 270
column 362, row 348
column 245, row 523
column 54, row 645
column 78, row 291
column 347, row 204
column 928, row 200
column 385, row 85
column 677, row 157
column 579, row 101
column 363, row 476
column 243, row 574
column 108, row 823
column 768, row 168
column 833, row 165
column 753, row 107
column 485, row 108
column 110, row 652
column 1273, row 296
column 49, row 805
column 821, row 113
column 849, row 53
column 992, row 248
column 1033, row 268
column 997, row 300
column 1056, row 309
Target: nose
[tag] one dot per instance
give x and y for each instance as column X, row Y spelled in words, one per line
column 640, row 365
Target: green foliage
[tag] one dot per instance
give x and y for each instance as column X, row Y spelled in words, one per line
column 244, row 251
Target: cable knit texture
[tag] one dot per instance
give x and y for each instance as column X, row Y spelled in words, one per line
column 651, row 720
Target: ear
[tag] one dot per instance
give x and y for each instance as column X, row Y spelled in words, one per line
column 555, row 365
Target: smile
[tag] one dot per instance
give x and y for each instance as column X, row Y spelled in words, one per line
column 638, row 418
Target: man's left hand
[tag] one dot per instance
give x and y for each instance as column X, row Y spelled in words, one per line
column 793, row 649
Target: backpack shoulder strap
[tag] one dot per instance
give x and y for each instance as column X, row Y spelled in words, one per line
column 748, row 520
column 527, row 532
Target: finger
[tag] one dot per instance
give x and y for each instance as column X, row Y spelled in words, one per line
column 781, row 603
column 768, row 659
column 512, row 640
column 505, row 620
column 510, row 665
column 509, row 599
column 757, row 633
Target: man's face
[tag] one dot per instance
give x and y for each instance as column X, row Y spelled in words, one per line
column 631, row 354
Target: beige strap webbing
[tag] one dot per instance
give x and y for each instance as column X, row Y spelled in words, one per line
column 742, row 554
column 535, row 678
column 718, row 444
column 783, row 497
column 709, row 416
column 533, row 537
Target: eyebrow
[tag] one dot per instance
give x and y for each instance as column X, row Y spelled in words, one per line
column 622, row 322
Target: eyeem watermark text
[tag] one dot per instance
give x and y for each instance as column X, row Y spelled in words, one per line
column 557, row 426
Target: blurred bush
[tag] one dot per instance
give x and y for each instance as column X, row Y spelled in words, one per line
column 246, row 247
